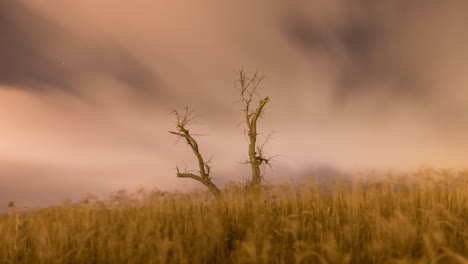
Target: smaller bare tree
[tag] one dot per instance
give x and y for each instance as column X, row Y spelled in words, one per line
column 183, row 121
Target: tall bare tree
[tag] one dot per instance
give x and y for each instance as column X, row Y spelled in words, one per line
column 183, row 121
column 249, row 88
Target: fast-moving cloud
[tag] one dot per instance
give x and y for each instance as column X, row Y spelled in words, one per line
column 39, row 54
column 86, row 88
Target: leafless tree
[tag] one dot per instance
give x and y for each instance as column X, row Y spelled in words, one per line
column 183, row 121
column 249, row 88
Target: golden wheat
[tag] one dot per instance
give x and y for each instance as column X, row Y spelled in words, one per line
column 422, row 218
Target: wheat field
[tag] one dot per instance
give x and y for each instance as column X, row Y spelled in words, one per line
column 419, row 218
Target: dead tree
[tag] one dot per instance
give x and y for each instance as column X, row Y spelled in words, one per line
column 249, row 86
column 204, row 177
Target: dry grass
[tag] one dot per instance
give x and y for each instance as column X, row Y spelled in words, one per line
column 418, row 219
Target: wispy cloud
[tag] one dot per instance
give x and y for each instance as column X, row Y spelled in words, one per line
column 88, row 85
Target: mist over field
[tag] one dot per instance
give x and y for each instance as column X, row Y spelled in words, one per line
column 86, row 88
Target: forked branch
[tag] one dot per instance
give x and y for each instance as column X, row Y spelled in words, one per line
column 182, row 121
column 250, row 86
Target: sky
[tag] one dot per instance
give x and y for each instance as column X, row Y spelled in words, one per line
column 87, row 87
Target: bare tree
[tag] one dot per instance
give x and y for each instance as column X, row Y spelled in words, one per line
column 204, row 177
column 249, row 87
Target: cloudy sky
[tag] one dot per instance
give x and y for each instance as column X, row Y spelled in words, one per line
column 86, row 88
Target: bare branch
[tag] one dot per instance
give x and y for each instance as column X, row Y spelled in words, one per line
column 189, row 175
column 267, row 138
column 249, row 87
column 183, row 120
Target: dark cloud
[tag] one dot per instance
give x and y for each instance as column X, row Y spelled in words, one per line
column 395, row 70
column 357, row 43
column 38, row 54
column 21, row 49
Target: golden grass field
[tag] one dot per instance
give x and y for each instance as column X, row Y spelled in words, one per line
column 420, row 218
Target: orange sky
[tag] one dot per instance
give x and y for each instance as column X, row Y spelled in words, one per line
column 86, row 88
